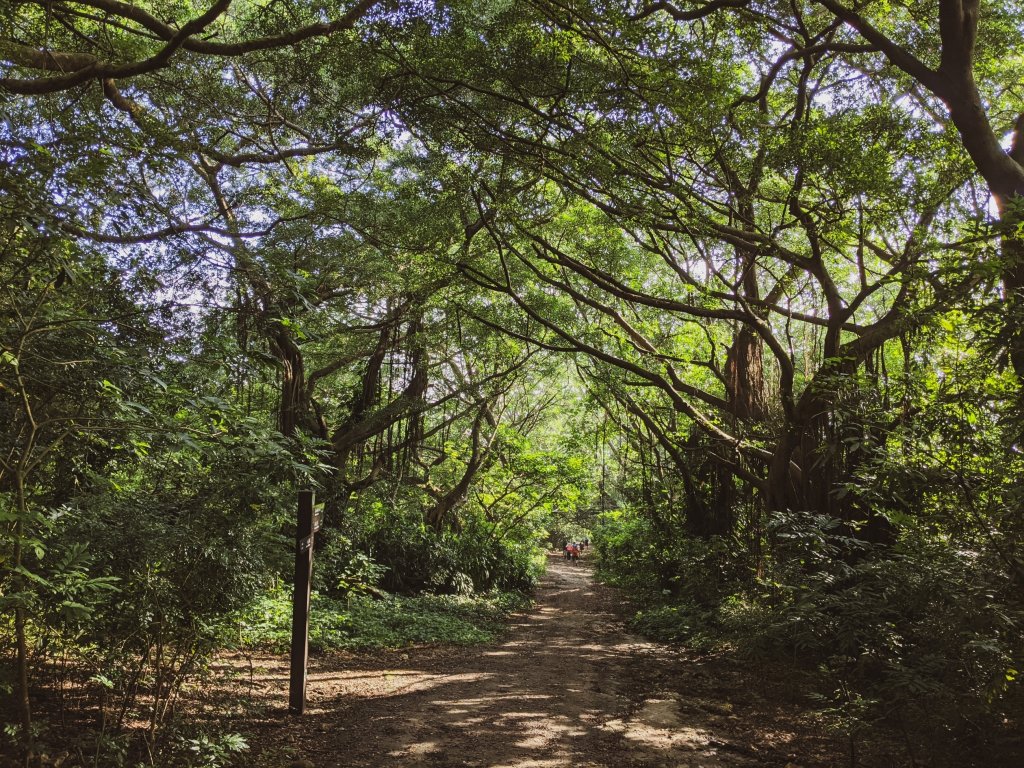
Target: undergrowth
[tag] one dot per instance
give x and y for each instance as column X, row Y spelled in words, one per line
column 917, row 640
column 683, row 624
column 363, row 622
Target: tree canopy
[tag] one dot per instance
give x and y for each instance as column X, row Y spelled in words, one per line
column 734, row 285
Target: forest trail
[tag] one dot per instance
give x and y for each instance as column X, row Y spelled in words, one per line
column 567, row 686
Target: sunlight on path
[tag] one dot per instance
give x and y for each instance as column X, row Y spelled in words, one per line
column 565, row 688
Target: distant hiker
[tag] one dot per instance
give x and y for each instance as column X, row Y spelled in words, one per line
column 567, row 548
column 574, row 552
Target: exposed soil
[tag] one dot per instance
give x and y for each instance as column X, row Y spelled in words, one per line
column 567, row 686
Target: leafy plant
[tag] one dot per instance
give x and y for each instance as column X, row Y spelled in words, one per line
column 211, row 751
column 395, row 622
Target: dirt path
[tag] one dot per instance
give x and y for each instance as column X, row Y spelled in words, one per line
column 568, row 686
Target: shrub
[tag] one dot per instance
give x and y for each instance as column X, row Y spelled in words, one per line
column 394, row 622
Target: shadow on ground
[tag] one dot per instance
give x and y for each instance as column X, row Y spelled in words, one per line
column 569, row 686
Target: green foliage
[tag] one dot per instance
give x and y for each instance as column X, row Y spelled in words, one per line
column 924, row 628
column 490, row 267
column 389, row 545
column 625, row 546
column 216, row 751
column 656, row 561
column 686, row 624
column 372, row 623
column 341, row 569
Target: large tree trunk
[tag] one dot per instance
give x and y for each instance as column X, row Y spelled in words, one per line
column 810, row 466
column 293, row 405
column 744, row 376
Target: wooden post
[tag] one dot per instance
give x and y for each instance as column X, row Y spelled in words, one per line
column 307, row 528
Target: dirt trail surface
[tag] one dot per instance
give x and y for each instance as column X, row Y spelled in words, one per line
column 568, row 686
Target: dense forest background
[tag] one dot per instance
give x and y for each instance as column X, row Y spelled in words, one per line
column 733, row 287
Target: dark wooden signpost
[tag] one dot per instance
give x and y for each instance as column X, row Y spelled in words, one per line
column 310, row 518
